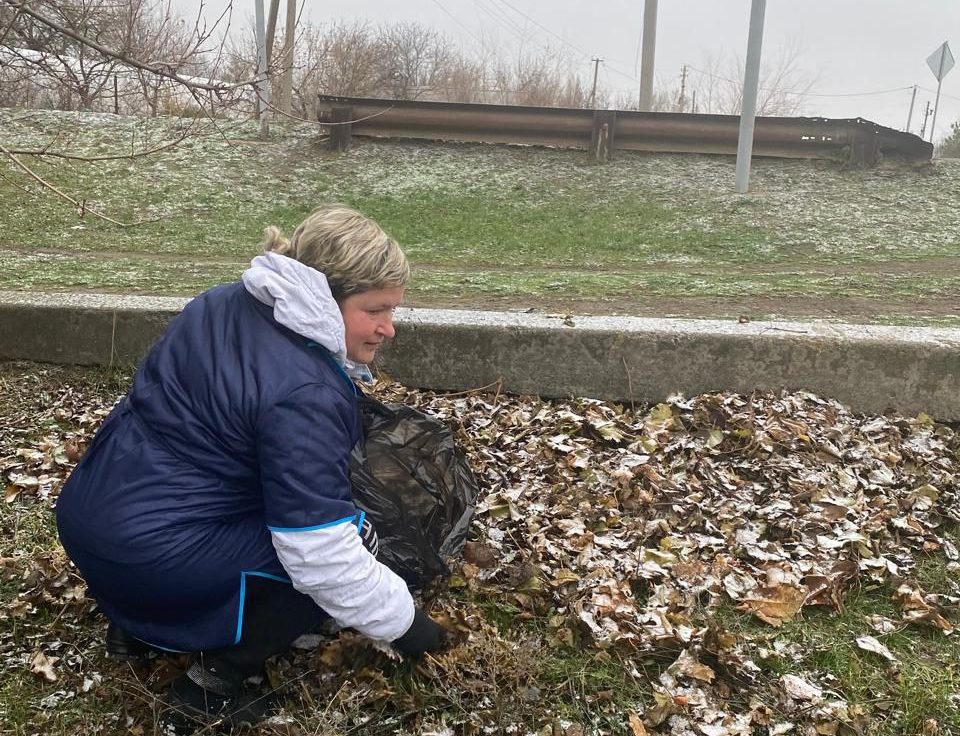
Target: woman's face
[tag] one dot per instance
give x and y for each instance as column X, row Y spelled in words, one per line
column 368, row 319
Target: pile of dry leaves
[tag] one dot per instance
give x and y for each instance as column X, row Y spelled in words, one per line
column 623, row 532
column 630, row 529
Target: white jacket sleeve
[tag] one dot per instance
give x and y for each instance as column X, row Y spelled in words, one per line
column 331, row 565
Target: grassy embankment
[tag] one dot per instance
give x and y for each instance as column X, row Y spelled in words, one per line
column 490, row 226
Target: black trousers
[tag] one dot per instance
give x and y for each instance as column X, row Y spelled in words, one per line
column 275, row 614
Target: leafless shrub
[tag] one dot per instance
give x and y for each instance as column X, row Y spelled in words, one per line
column 544, row 78
column 408, row 61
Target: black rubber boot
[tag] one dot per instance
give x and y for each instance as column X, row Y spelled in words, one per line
column 201, row 698
column 120, row 645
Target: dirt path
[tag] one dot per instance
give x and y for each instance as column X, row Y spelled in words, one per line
column 856, row 309
column 843, row 309
column 933, row 265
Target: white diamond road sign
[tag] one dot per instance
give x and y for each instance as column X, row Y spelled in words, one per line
column 940, row 61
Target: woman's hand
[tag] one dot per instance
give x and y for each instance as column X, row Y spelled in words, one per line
column 424, row 635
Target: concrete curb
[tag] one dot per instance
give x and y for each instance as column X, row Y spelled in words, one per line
column 869, row 368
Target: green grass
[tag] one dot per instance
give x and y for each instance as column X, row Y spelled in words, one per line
column 523, row 663
column 490, row 225
column 898, row 698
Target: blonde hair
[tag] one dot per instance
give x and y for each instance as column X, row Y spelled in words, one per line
column 351, row 250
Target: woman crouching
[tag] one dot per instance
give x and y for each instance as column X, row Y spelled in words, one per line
column 212, row 513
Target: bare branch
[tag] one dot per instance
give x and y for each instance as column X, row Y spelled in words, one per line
column 158, row 69
column 82, row 208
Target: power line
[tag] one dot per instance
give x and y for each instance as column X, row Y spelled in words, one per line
column 458, row 22
column 564, row 41
column 545, row 29
column 942, row 94
column 501, row 18
column 853, row 94
column 810, row 94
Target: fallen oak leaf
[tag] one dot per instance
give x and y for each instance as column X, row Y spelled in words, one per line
column 796, row 688
column 73, row 450
column 915, row 608
column 882, row 624
column 479, row 554
column 42, row 665
column 688, row 665
column 775, row 605
column 636, row 725
column 871, row 644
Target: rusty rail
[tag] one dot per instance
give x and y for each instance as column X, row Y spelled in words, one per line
column 856, row 141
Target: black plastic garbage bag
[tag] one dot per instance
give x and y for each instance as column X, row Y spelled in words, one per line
column 416, row 487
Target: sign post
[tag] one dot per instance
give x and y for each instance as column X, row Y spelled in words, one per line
column 940, row 62
column 748, row 108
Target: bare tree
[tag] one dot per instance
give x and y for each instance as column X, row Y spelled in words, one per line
column 157, row 33
column 342, row 59
column 783, row 84
column 409, row 61
column 97, row 53
column 76, row 73
column 416, row 59
column 75, row 51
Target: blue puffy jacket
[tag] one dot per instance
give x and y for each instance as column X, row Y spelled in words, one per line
column 229, row 457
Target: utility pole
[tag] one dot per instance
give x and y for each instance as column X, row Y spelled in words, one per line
column 286, row 77
column 751, row 81
column 913, row 98
column 683, row 87
column 593, row 93
column 648, row 54
column 926, row 116
column 261, row 87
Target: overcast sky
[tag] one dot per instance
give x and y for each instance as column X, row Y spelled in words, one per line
column 864, row 55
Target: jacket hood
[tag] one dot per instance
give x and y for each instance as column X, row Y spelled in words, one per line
column 301, row 301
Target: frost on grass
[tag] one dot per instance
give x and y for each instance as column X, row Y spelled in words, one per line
column 826, row 241
column 795, row 209
column 610, row 546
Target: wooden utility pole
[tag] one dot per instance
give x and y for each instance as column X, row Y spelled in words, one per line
column 272, row 28
column 926, row 116
column 285, row 103
column 593, row 93
column 266, row 89
column 648, row 55
column 683, row 88
column 262, row 87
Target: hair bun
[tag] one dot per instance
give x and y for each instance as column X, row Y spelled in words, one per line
column 274, row 241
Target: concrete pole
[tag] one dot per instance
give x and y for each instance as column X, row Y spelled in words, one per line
column 261, row 88
column 751, row 81
column 913, row 99
column 649, row 52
